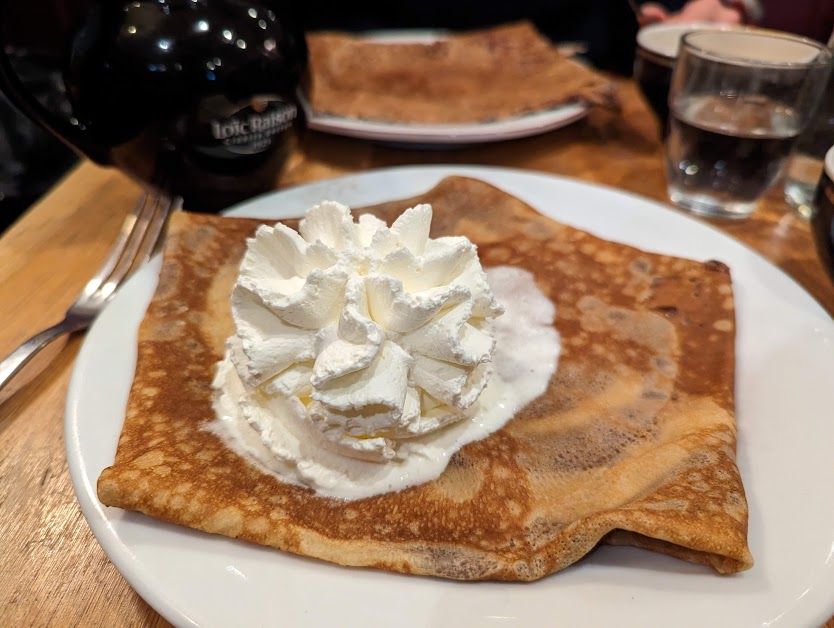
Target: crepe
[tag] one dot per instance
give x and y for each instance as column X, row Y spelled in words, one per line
column 472, row 77
column 633, row 442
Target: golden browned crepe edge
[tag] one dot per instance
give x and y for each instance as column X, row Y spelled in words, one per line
column 365, row 96
column 723, row 548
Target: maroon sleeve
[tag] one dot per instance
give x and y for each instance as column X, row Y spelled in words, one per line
column 812, row 18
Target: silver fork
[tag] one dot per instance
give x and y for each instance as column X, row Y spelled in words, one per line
column 137, row 240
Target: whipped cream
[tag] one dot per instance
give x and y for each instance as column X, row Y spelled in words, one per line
column 363, row 353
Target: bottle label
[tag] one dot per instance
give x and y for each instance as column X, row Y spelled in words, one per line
column 242, row 129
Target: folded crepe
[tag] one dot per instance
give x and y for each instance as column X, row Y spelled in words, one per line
column 472, row 77
column 633, row 442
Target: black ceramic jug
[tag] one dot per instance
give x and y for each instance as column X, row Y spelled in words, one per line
column 197, row 96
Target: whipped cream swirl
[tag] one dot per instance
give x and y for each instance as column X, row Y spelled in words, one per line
column 370, row 335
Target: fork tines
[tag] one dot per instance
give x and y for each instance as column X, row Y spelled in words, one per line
column 137, row 240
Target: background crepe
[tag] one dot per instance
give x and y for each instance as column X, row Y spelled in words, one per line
column 471, row 77
column 633, row 442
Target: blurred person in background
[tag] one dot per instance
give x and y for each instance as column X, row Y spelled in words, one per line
column 811, row 18
column 719, row 11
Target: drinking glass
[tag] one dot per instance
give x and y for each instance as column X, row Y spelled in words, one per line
column 737, row 103
column 655, row 58
column 805, row 165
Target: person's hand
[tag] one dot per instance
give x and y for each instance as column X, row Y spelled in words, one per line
column 693, row 11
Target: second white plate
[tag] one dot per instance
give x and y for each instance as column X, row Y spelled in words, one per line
column 440, row 135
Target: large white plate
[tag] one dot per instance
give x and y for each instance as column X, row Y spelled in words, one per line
column 533, row 123
column 785, row 372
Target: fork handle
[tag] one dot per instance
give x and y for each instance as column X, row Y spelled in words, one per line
column 21, row 356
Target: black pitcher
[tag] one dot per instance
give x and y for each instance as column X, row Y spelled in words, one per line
column 197, row 96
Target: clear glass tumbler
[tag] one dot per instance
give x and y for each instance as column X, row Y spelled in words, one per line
column 805, row 164
column 738, row 101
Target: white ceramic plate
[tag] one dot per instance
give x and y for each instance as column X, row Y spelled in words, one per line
column 440, row 134
column 785, row 372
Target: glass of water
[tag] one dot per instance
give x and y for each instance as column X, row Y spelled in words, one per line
column 738, row 101
column 805, row 165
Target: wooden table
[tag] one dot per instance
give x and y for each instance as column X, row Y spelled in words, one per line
column 53, row 571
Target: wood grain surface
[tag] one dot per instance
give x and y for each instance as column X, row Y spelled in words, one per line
column 52, row 571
